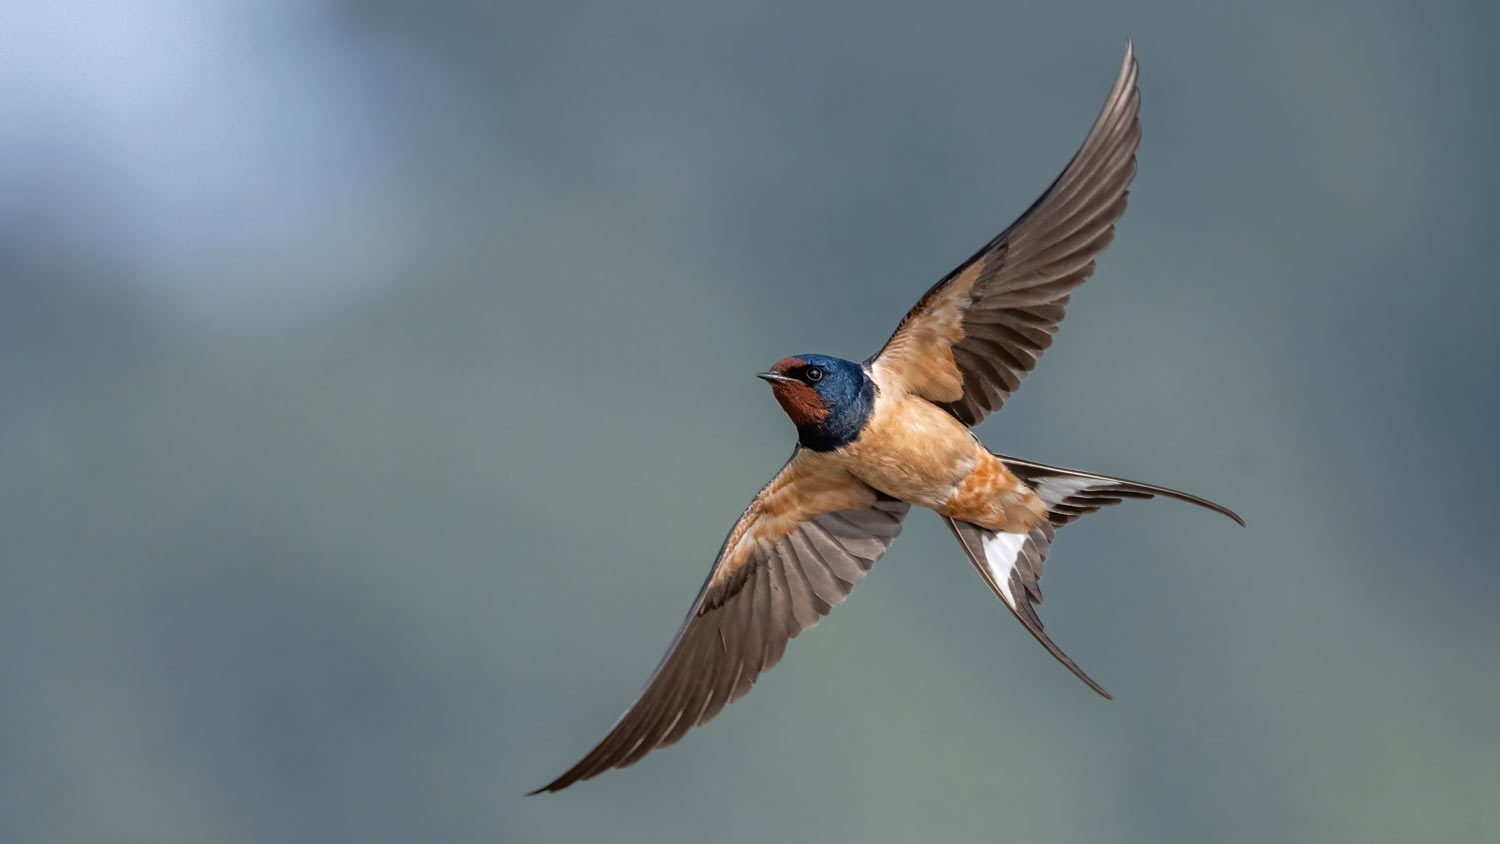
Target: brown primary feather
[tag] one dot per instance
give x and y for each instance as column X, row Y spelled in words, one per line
column 972, row 337
column 801, row 545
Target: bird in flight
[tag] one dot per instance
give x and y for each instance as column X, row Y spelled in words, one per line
column 877, row 437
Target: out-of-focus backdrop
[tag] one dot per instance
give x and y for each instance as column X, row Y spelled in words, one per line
column 375, row 389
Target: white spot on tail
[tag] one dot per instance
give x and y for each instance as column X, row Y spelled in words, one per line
column 1059, row 489
column 1000, row 553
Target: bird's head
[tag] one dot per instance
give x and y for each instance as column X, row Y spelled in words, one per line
column 828, row 399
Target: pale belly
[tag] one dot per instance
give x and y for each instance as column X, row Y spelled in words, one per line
column 916, row 451
column 913, row 450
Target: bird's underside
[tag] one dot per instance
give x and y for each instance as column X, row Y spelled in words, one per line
column 819, row 525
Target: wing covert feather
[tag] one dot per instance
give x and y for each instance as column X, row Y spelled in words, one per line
column 975, row 334
column 794, row 554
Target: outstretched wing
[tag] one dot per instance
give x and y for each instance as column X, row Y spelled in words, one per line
column 974, row 335
column 797, row 550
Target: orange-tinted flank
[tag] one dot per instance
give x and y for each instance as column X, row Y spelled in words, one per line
column 916, row 451
column 991, row 496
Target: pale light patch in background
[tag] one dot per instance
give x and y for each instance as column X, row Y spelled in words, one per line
column 230, row 166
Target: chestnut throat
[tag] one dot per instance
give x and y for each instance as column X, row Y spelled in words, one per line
column 830, row 416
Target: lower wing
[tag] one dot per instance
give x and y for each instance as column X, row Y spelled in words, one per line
column 795, row 553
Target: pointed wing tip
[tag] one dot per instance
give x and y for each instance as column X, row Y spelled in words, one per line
column 562, row 782
column 1127, row 81
column 575, row 774
column 551, row 787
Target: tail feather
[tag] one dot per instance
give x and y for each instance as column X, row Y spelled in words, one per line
column 1011, row 563
column 1070, row 493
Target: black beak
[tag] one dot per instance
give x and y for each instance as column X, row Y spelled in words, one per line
column 773, row 377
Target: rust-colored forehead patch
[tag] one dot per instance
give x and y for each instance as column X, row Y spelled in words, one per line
column 786, row 365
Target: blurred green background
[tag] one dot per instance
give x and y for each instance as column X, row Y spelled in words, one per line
column 376, row 389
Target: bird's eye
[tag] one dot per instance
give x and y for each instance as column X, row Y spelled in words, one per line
column 814, row 373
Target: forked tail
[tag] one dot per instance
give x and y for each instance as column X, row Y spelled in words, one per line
column 1011, row 563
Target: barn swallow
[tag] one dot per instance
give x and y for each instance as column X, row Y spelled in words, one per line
column 877, row 437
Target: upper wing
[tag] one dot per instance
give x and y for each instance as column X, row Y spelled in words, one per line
column 971, row 338
column 797, row 550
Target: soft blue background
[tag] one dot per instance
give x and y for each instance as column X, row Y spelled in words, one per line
column 375, row 388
